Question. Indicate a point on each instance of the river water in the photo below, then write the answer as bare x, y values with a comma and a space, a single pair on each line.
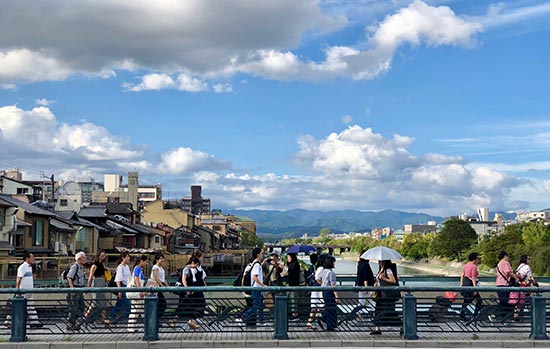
349, 267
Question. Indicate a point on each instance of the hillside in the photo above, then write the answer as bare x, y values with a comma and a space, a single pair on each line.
294, 223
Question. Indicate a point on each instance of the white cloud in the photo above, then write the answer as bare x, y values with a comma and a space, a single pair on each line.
186, 161
19, 128
191, 43
347, 119
222, 88
43, 102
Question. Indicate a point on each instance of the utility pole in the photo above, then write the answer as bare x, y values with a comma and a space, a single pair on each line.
52, 181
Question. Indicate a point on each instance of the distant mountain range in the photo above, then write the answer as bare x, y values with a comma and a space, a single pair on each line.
272, 224
294, 223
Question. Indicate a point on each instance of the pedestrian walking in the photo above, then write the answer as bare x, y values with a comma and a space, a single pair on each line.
384, 313
137, 304
97, 278
25, 280
469, 277
158, 279
122, 275
256, 280
77, 304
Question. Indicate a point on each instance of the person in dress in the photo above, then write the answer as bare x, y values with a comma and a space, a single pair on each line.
122, 275
384, 313
137, 304
97, 279
293, 280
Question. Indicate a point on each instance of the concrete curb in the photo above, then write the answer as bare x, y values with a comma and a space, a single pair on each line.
266, 344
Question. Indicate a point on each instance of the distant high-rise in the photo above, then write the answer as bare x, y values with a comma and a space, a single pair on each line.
196, 204
483, 214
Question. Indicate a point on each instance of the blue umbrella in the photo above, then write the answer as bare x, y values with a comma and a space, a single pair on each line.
307, 249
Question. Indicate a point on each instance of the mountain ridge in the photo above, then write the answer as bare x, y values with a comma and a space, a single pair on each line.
296, 222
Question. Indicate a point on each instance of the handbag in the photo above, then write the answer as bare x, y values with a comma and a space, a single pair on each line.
107, 275
132, 283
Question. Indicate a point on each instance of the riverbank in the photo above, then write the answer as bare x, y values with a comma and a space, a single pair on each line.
428, 266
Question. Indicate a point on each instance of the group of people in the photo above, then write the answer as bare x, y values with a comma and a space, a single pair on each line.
506, 276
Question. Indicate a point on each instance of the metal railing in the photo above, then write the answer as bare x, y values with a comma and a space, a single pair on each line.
285, 311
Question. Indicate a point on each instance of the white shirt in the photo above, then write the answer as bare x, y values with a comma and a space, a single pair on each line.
25, 273
161, 274
122, 274
256, 270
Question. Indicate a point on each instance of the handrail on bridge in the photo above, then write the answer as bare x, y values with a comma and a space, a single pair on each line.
409, 305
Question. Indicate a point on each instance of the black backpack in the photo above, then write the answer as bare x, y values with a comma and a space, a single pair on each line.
244, 277
64, 274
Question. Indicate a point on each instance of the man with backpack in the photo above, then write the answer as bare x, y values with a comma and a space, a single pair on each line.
77, 305
256, 281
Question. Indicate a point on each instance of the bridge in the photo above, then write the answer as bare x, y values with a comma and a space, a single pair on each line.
330, 248
285, 320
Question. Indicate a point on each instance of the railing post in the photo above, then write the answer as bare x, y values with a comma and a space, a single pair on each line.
538, 317
18, 319
409, 317
151, 319
281, 317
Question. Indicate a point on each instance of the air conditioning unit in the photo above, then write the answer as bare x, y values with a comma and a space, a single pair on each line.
56, 246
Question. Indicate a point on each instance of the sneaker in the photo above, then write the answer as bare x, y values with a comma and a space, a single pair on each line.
239, 320
172, 323
265, 324
193, 325
37, 325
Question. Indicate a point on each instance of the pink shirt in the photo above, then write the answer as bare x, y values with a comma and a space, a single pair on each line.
470, 270
505, 268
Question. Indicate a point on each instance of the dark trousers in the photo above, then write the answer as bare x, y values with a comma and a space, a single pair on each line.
257, 309
330, 315
470, 297
77, 306
122, 304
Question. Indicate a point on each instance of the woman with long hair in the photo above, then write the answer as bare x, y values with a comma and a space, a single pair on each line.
293, 280
384, 313
158, 279
192, 304
97, 279
122, 275
137, 304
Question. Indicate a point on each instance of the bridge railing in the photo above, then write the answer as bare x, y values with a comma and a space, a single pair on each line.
286, 312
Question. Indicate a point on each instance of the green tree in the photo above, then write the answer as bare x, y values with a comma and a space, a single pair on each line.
536, 234
415, 246
455, 237
249, 239
510, 240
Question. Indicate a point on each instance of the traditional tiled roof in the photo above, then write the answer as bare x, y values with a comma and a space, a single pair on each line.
61, 226
93, 212
25, 206
5, 203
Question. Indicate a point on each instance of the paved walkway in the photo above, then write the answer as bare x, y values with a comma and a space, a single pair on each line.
265, 340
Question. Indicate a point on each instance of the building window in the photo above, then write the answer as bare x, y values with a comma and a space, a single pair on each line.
2, 217
157, 239
63, 202
37, 233
216, 228
22, 190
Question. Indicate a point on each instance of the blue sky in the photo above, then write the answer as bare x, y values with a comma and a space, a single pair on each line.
424, 106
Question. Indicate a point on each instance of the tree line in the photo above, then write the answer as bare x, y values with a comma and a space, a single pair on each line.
455, 240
